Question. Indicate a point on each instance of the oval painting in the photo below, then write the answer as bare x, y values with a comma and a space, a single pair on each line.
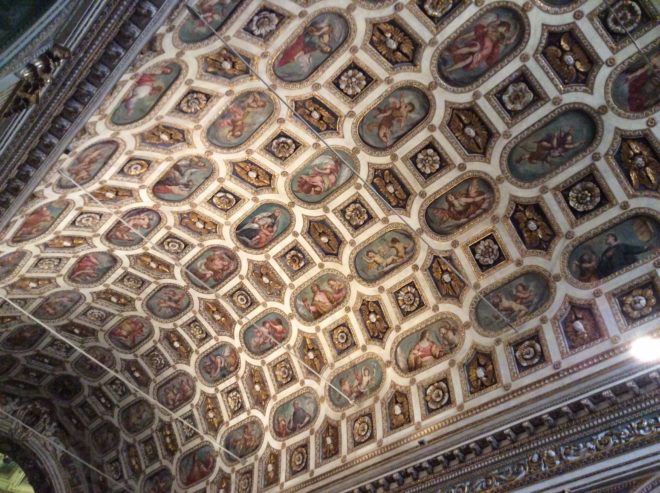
169, 302
356, 382
134, 227
197, 465
92, 268
322, 176
137, 417
263, 226
385, 254
215, 12
130, 333
58, 304
105, 438
635, 89
183, 179
239, 121
87, 164
394, 117
463, 203
88, 368
307, 51
265, 333
295, 415
177, 391
211, 268
517, 300
321, 297
628, 242
145, 93
243, 440
23, 338
10, 262
40, 220
158, 482
428, 345
539, 153
480, 47
218, 364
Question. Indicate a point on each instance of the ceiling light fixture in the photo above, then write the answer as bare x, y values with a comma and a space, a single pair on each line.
646, 348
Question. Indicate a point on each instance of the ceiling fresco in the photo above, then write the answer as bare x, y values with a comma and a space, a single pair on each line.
486, 213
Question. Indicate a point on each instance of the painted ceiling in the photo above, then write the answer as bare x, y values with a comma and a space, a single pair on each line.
485, 214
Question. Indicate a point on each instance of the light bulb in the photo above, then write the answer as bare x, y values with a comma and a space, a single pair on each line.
646, 348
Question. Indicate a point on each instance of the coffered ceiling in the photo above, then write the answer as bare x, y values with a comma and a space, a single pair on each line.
467, 204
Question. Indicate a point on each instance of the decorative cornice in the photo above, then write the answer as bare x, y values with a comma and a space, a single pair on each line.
614, 420
101, 55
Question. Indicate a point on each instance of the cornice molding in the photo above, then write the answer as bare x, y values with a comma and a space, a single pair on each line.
105, 51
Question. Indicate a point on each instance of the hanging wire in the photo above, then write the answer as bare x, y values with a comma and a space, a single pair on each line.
62, 449
216, 295
124, 380
355, 172
630, 36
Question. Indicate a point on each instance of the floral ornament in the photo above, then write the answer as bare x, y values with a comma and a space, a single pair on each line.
298, 461
362, 429
295, 259
193, 102
224, 200
584, 196
529, 354
480, 372
48, 264
317, 114
88, 220
96, 315
200, 226
132, 282
641, 164
352, 82
470, 130
639, 303
342, 338
263, 24
174, 245
225, 64
245, 482
374, 319
437, 8
624, 17
283, 372
265, 278
136, 167
356, 214
437, 395
486, 252
393, 43
252, 174
324, 237
445, 279
408, 299
391, 188
533, 227
517, 97
156, 360
234, 401
165, 136
568, 59
427, 161
242, 299
283, 147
